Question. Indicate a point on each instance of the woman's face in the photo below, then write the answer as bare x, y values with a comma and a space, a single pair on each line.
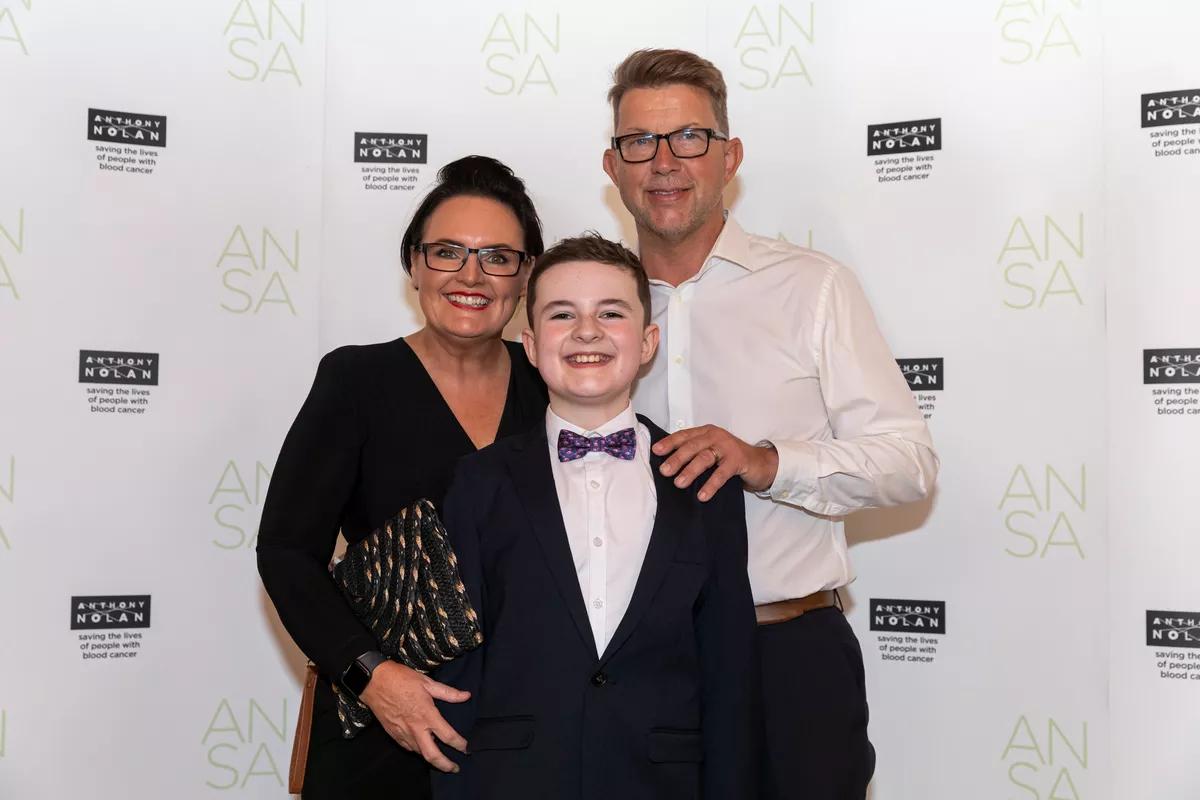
470, 304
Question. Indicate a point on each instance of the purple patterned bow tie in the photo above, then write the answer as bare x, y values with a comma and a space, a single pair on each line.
621, 444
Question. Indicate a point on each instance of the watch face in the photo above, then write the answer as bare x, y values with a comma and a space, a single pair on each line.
356, 678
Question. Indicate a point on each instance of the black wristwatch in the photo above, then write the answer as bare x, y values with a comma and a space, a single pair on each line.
358, 674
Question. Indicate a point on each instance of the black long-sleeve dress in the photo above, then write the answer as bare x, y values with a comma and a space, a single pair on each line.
374, 435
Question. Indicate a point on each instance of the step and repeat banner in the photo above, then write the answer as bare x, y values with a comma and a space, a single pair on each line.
197, 201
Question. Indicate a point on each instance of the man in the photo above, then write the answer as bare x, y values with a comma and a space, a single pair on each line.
618, 629
776, 347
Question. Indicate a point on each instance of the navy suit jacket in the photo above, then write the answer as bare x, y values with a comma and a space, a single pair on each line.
670, 710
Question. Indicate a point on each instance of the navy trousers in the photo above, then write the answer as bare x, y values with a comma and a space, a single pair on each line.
815, 708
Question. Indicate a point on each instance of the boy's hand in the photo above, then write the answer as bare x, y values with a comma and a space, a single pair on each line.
694, 450
402, 700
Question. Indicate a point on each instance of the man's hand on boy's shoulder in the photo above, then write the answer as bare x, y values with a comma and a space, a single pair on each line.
693, 451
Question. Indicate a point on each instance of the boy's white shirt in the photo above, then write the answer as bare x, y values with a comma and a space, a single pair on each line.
608, 507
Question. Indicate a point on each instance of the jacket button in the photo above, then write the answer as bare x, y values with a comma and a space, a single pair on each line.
599, 679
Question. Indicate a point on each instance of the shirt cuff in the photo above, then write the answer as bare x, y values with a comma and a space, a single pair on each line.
797, 479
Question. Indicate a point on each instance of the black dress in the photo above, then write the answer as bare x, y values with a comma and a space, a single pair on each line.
374, 435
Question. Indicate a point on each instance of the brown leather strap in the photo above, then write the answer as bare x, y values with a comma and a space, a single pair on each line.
782, 611
303, 732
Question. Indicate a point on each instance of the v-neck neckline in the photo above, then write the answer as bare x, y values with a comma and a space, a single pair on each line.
504, 412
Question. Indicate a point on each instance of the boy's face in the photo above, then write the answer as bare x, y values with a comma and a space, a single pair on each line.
588, 339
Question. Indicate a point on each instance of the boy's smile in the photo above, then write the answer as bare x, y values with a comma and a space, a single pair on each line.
589, 339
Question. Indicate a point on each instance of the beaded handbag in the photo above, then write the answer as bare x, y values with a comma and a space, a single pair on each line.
402, 582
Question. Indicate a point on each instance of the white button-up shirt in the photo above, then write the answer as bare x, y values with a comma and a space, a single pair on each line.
608, 507
777, 343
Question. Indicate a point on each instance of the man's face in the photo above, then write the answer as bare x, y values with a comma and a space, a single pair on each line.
589, 339
671, 197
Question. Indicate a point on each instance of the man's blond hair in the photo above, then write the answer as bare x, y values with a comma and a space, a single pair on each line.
651, 69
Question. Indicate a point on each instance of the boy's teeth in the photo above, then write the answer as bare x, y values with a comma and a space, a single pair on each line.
587, 359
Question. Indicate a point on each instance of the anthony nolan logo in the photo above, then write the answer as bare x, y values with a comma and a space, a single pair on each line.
923, 374
1170, 108
111, 366
1180, 365
917, 616
110, 611
1172, 629
124, 127
390, 148
913, 136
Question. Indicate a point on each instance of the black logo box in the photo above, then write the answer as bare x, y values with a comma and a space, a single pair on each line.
103, 612
923, 374
1170, 108
1180, 365
391, 148
928, 136
1173, 628
115, 366
126, 127
899, 620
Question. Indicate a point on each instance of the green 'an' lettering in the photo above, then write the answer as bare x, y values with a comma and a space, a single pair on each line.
9, 493
1020, 240
238, 247
502, 34
10, 31
756, 27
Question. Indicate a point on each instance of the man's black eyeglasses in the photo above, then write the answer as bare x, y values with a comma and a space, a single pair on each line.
636, 148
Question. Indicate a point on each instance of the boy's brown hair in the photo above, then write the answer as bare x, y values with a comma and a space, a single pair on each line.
590, 247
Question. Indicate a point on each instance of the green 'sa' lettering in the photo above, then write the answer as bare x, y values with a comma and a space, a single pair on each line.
263, 753
6, 280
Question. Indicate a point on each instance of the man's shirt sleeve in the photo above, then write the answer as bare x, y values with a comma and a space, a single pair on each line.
881, 453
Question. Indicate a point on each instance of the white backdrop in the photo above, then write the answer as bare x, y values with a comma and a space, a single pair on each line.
1037, 621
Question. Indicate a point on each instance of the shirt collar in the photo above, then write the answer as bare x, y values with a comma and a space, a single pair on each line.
732, 246
555, 423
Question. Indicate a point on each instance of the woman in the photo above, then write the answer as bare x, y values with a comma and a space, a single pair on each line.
383, 426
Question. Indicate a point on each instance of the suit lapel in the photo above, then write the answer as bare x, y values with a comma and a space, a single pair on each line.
674, 512
530, 471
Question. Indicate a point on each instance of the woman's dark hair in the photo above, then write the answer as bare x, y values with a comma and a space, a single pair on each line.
476, 176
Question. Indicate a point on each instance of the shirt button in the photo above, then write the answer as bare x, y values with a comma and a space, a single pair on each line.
597, 604
678, 424
678, 359
594, 484
598, 542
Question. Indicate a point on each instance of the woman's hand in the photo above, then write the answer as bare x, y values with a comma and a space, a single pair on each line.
402, 700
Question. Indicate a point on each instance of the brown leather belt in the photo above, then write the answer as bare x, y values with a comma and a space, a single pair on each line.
783, 610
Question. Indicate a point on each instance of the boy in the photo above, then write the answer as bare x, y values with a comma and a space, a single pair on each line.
618, 657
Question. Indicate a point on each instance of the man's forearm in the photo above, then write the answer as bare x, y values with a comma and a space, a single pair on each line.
839, 476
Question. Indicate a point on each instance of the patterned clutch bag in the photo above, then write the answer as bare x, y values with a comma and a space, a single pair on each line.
402, 582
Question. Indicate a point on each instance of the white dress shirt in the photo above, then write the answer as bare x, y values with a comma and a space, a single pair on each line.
608, 507
777, 343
